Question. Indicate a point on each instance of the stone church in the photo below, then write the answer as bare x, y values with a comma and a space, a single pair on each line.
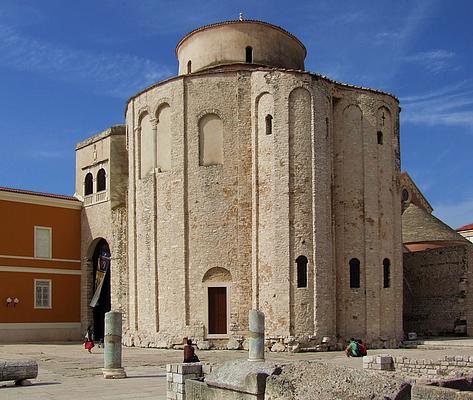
246, 182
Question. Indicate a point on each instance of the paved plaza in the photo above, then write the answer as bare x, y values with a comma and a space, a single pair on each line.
67, 371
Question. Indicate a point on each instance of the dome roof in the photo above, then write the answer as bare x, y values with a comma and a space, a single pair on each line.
240, 41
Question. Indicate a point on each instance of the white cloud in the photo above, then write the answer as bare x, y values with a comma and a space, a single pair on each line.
433, 61
451, 105
117, 75
49, 154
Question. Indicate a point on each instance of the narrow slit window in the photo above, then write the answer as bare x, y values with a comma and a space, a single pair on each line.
386, 273
301, 271
269, 124
189, 66
249, 54
380, 137
354, 273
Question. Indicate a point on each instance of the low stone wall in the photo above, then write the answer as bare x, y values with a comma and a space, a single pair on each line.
176, 377
197, 390
449, 365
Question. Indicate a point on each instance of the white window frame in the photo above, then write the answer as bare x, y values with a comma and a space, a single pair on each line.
50, 302
36, 228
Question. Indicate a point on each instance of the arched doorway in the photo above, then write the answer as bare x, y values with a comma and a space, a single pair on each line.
217, 282
101, 302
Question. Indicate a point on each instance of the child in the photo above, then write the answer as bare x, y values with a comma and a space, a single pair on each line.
89, 342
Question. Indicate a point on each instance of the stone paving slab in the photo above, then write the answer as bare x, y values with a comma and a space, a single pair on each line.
67, 371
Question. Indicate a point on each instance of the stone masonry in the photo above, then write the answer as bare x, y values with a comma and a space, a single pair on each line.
251, 183
448, 365
437, 296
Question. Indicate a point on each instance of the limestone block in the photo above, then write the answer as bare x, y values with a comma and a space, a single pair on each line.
278, 347
233, 344
189, 368
206, 368
203, 345
384, 359
296, 348
242, 376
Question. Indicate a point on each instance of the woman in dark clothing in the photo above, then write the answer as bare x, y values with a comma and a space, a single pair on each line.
189, 352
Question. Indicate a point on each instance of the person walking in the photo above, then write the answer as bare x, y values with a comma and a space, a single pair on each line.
89, 339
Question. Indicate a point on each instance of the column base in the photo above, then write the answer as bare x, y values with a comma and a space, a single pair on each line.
114, 373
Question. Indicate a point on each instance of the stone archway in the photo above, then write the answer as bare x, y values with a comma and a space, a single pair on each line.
100, 299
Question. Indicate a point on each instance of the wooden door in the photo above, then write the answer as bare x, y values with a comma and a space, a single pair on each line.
217, 310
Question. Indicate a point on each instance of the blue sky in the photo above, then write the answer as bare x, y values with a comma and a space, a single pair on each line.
67, 68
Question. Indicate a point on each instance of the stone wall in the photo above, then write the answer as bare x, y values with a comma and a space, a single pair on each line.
449, 365
178, 374
269, 202
437, 293
104, 215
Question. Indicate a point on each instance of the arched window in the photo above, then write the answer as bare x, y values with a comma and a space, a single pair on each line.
210, 140
249, 54
354, 273
189, 66
301, 271
386, 273
380, 137
101, 180
163, 138
146, 145
269, 124
405, 195
88, 184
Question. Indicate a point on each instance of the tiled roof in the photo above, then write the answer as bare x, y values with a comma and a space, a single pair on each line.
419, 226
218, 69
30, 192
465, 228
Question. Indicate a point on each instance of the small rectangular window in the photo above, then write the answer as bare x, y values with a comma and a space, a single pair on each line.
42, 242
380, 137
354, 273
269, 124
42, 293
249, 54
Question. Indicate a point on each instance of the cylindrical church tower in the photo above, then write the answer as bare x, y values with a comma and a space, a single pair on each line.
256, 184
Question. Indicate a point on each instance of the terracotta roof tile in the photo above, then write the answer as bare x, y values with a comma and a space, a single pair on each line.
30, 192
465, 228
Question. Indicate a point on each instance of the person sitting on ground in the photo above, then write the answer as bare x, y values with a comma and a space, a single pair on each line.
353, 349
362, 347
189, 352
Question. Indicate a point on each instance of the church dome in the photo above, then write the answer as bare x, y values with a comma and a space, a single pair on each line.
242, 41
